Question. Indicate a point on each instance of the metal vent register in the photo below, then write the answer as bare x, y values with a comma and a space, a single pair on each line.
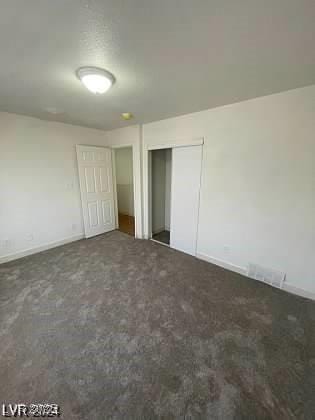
267, 275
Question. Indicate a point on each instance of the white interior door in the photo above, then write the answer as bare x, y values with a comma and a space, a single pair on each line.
186, 171
97, 192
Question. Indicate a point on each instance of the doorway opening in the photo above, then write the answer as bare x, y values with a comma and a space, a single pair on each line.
125, 190
161, 172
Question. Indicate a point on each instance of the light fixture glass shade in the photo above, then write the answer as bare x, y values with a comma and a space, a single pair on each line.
95, 80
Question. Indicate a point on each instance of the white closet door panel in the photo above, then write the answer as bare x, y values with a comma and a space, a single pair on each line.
186, 172
97, 192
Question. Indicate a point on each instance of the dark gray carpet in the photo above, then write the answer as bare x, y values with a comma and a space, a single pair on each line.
114, 327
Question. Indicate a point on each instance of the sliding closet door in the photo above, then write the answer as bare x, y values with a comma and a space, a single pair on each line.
186, 171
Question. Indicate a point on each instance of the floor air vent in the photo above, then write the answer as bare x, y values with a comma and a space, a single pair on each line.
267, 275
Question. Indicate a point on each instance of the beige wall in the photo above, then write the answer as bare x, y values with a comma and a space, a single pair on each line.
257, 199
158, 190
39, 190
124, 180
161, 189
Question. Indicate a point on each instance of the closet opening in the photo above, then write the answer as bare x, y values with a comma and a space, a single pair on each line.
174, 178
161, 172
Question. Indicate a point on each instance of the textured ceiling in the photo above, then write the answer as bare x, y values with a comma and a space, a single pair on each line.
169, 57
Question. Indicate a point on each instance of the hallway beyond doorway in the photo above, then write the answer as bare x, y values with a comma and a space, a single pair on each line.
126, 224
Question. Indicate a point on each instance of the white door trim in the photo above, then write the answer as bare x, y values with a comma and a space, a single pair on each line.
115, 188
146, 174
172, 145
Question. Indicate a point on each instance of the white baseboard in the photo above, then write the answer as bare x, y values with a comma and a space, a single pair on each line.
223, 264
297, 291
158, 242
242, 270
157, 231
126, 214
35, 250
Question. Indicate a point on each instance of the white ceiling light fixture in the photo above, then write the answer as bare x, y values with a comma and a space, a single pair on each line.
95, 80
126, 116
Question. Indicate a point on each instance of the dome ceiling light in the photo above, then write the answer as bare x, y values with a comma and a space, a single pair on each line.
126, 116
95, 80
